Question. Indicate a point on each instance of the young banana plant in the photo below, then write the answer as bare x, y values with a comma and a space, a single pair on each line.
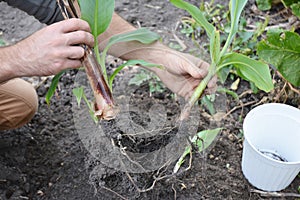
98, 13
249, 69
104, 102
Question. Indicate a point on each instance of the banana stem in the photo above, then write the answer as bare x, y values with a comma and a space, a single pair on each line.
197, 93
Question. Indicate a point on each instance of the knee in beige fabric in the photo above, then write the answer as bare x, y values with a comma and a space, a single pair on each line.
18, 103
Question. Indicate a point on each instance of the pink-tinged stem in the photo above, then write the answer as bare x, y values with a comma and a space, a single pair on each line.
104, 103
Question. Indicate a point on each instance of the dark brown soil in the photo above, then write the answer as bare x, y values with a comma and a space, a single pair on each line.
49, 158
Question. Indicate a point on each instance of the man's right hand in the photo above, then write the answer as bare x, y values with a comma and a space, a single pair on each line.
48, 51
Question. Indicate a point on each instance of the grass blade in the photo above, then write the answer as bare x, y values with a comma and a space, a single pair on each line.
78, 92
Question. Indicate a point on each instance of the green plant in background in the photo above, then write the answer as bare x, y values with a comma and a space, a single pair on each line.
144, 76
190, 28
281, 47
2, 42
282, 50
265, 4
294, 5
212, 12
133, 63
246, 41
223, 57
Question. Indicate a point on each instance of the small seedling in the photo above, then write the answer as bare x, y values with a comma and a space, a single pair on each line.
79, 94
202, 141
208, 102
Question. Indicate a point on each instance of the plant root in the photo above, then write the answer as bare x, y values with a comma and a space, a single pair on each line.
114, 192
242, 105
274, 194
283, 91
158, 176
175, 192
153, 183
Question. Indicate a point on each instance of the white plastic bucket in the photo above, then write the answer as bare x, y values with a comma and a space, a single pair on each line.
275, 130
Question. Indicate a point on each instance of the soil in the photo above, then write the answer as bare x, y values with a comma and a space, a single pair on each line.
51, 158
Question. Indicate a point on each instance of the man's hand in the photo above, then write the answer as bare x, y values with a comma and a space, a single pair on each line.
183, 73
48, 51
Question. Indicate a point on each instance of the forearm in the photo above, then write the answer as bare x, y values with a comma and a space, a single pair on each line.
131, 50
9, 63
118, 25
182, 73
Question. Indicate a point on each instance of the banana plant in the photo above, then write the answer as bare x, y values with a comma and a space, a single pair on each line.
221, 58
98, 14
250, 69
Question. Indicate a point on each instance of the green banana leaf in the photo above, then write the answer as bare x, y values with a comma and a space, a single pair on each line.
98, 13
142, 35
253, 70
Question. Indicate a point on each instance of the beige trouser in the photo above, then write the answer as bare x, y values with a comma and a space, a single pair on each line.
18, 103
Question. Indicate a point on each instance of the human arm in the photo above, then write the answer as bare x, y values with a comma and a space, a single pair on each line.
46, 52
182, 73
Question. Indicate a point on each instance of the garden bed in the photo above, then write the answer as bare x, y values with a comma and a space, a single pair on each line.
48, 159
